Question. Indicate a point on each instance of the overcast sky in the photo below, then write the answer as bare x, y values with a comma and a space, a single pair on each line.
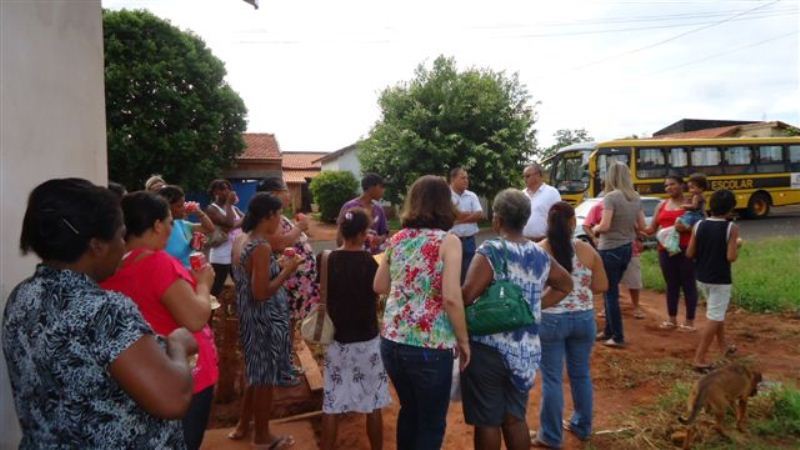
311, 71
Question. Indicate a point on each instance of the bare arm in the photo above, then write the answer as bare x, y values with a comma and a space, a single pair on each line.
225, 218
383, 281
264, 287
651, 230
559, 284
160, 383
450, 252
190, 309
605, 221
733, 243
599, 278
691, 250
280, 240
479, 277
206, 225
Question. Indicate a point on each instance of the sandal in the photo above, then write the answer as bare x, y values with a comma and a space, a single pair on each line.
601, 337
614, 344
638, 314
568, 426
536, 442
686, 328
703, 369
237, 435
279, 443
730, 351
667, 325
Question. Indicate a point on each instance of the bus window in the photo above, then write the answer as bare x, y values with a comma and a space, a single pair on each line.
794, 158
678, 158
738, 160
571, 175
770, 159
707, 160
650, 163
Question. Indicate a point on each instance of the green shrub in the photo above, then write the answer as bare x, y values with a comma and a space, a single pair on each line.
331, 189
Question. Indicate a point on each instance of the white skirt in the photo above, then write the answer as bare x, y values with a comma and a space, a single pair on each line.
355, 380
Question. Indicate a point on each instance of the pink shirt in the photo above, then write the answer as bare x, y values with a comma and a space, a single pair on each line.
145, 281
596, 215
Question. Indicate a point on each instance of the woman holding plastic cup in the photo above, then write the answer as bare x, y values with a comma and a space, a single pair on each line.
168, 296
180, 241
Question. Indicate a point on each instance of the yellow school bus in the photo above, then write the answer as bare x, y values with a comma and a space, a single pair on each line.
568, 171
761, 172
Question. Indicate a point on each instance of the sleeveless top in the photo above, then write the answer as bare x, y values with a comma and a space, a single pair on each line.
711, 256
580, 299
415, 312
221, 254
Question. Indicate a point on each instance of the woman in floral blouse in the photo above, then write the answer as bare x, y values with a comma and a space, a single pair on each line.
86, 369
495, 386
568, 331
424, 318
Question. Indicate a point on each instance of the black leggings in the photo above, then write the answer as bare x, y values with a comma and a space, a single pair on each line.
196, 419
221, 272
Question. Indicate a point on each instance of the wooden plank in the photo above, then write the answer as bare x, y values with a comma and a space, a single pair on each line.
310, 367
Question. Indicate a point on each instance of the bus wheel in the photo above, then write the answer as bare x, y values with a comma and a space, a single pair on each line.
758, 206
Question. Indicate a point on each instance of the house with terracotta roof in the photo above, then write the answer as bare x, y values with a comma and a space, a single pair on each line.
711, 129
298, 170
261, 158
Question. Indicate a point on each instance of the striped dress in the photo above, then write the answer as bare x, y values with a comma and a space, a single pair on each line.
263, 325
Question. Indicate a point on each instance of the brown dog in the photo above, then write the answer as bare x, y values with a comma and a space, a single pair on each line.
728, 386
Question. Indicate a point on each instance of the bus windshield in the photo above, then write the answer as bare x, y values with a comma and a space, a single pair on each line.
571, 174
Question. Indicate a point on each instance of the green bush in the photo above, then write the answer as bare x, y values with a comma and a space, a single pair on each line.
331, 189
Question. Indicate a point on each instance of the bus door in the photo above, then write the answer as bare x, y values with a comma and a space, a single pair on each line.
603, 158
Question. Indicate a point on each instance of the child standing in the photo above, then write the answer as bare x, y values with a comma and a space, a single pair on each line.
355, 379
696, 207
714, 246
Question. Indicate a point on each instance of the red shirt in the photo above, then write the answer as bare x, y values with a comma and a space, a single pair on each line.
145, 281
596, 215
667, 218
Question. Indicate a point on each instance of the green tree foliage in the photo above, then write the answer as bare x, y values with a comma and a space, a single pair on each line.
477, 119
564, 137
331, 189
168, 107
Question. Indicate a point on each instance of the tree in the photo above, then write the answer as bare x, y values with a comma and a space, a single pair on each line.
331, 189
477, 119
168, 107
564, 137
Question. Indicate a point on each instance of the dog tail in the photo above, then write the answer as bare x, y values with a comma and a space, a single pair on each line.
697, 405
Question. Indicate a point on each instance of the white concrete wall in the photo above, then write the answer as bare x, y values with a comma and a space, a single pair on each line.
52, 124
347, 161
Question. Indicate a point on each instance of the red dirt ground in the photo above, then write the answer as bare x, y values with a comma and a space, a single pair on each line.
623, 378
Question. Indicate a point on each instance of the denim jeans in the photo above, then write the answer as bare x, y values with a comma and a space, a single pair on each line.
467, 253
422, 378
570, 337
615, 261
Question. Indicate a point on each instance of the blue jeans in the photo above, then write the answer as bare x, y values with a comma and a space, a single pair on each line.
615, 261
467, 253
422, 378
567, 336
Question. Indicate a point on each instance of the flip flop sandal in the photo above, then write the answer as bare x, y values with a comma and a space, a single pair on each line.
667, 325
601, 337
686, 328
237, 435
536, 442
638, 314
730, 351
614, 344
278, 444
568, 426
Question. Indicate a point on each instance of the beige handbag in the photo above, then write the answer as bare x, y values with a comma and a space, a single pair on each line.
317, 327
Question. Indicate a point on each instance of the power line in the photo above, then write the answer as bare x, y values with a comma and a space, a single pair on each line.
677, 36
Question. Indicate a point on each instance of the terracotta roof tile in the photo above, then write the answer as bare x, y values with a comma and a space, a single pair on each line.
718, 132
260, 146
302, 160
298, 176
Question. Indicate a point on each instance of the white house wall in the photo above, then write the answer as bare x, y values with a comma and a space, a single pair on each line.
347, 161
52, 124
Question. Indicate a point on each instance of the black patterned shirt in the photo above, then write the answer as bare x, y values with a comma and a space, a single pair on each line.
61, 332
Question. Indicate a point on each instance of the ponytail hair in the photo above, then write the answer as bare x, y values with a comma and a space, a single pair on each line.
559, 234
354, 222
262, 206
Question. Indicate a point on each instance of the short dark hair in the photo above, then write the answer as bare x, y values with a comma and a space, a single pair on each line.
354, 222
219, 183
369, 180
63, 215
261, 206
141, 210
428, 204
172, 193
699, 179
674, 177
117, 188
722, 202
271, 184
454, 172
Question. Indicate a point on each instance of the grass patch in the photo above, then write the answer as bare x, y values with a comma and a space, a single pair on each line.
766, 276
774, 422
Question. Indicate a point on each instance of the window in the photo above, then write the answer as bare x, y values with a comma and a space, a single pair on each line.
678, 161
738, 160
571, 175
650, 163
707, 160
770, 159
794, 158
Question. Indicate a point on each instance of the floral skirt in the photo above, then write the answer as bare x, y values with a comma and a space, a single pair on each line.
355, 380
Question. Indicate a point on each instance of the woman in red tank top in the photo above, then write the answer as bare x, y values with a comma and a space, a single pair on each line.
678, 270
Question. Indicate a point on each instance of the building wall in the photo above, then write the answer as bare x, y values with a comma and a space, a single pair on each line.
52, 124
347, 161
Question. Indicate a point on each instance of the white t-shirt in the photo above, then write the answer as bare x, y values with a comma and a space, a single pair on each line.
222, 253
466, 202
541, 201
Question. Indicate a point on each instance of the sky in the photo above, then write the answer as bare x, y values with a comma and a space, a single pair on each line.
311, 71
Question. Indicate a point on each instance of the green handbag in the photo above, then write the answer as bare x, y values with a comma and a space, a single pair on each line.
502, 307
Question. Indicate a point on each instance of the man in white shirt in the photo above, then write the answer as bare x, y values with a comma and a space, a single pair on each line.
542, 196
469, 213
